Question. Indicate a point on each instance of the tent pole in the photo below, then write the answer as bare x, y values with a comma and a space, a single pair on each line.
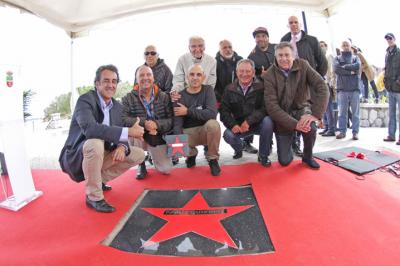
303, 14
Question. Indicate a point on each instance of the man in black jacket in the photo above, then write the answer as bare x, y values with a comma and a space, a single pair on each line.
305, 47
97, 148
227, 60
153, 107
242, 112
392, 84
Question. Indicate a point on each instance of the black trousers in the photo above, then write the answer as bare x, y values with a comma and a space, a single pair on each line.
284, 141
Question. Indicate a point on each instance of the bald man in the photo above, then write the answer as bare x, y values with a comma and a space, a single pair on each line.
195, 115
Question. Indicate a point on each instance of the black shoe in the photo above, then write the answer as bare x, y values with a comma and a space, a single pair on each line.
214, 167
323, 132
99, 206
311, 163
237, 155
328, 134
141, 171
296, 149
105, 187
190, 161
249, 148
264, 161
175, 161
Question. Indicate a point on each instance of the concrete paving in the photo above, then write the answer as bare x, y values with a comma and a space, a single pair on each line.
44, 145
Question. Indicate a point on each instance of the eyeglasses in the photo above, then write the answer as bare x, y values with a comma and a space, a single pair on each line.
152, 53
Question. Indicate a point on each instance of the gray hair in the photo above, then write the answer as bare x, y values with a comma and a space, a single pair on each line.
282, 45
140, 68
245, 60
196, 38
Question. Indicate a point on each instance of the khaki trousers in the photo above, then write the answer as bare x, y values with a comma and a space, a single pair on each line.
209, 134
98, 166
158, 154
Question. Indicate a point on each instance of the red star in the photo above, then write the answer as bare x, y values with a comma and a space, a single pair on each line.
177, 146
197, 217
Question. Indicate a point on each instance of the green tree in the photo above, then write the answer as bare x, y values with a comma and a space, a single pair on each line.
122, 89
59, 105
27, 98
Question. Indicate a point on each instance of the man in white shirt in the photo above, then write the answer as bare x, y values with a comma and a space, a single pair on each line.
195, 56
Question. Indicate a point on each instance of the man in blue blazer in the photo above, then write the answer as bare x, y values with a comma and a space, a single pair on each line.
97, 148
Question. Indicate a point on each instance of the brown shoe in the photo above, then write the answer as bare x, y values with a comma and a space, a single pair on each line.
355, 136
340, 136
389, 138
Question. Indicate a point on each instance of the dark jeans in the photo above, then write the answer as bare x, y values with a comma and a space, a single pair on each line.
265, 129
330, 117
366, 88
285, 153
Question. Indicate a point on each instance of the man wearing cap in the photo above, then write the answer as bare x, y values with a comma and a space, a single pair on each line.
392, 84
347, 67
263, 54
195, 56
305, 47
162, 73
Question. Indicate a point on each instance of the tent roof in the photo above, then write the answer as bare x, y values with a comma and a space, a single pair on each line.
75, 16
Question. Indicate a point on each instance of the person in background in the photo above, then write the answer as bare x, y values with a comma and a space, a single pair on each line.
347, 68
227, 60
196, 55
161, 72
330, 79
263, 54
367, 76
392, 85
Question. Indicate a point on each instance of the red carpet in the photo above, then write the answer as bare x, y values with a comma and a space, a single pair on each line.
325, 217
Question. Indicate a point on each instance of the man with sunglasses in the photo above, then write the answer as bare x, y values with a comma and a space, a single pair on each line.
161, 72
392, 84
195, 56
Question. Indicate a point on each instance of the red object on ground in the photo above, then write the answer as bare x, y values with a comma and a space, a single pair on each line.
324, 217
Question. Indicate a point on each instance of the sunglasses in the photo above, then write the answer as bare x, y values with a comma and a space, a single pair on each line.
152, 53
389, 38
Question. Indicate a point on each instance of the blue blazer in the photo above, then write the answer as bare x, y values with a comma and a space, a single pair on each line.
86, 124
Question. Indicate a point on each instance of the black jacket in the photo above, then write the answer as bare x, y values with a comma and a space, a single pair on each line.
262, 59
392, 70
308, 49
226, 73
86, 124
236, 107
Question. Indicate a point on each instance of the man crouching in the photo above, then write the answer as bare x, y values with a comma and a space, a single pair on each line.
195, 114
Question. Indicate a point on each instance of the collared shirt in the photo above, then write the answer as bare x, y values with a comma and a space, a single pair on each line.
244, 88
106, 108
148, 105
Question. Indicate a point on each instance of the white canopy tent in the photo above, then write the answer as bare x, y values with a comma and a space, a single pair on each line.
77, 16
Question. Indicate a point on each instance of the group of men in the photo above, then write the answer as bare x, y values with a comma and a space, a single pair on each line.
279, 89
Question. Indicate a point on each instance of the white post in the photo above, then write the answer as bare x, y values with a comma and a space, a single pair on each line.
12, 140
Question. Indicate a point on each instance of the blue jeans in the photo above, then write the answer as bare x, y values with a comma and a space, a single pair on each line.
330, 118
394, 99
265, 129
346, 98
